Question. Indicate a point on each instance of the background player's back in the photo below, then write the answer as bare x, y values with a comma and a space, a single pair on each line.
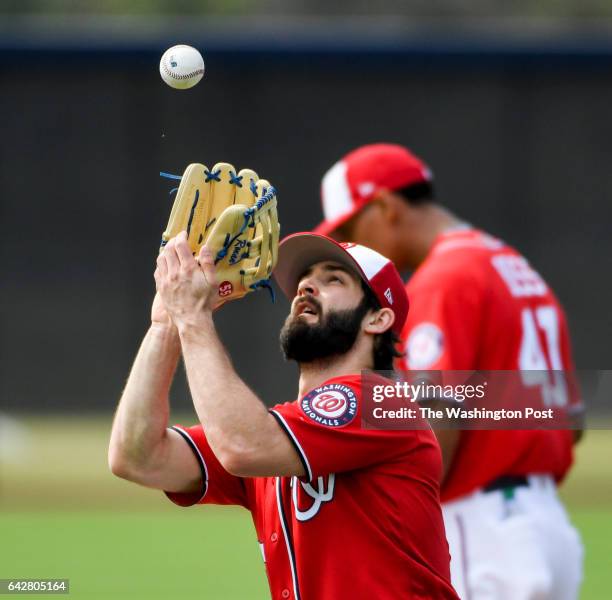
494, 310
477, 304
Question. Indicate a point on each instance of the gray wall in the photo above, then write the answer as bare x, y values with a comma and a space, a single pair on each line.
522, 150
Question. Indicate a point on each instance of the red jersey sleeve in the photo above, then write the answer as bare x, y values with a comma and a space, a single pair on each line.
443, 326
325, 429
218, 486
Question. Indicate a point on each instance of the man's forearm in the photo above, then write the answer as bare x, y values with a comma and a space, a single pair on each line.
233, 417
142, 416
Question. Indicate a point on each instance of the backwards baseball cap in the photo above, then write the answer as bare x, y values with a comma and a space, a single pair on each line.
353, 181
299, 251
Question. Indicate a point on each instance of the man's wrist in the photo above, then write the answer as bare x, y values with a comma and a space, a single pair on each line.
164, 330
195, 326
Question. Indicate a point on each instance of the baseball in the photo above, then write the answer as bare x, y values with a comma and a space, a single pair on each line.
181, 67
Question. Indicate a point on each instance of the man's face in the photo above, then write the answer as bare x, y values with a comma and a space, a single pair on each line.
326, 314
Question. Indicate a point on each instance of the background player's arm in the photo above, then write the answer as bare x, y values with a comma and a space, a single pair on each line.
448, 436
142, 449
448, 440
442, 333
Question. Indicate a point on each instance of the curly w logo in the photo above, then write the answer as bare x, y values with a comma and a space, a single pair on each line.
314, 497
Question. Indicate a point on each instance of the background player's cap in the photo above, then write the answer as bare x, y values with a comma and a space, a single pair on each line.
299, 251
352, 182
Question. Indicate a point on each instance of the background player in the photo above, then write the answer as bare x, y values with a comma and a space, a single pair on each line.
328, 499
475, 304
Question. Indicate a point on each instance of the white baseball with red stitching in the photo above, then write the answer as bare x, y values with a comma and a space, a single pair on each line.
181, 67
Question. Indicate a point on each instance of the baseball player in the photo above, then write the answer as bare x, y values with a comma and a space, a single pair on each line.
329, 500
476, 304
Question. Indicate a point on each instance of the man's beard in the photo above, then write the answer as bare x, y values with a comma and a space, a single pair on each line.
334, 334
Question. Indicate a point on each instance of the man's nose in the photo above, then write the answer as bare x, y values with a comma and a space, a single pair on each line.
307, 286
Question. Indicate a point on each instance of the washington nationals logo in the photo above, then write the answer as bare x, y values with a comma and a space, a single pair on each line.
310, 498
331, 405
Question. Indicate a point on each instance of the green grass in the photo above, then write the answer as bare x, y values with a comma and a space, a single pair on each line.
596, 530
62, 515
209, 554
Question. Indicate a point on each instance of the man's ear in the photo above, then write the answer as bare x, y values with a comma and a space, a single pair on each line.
390, 205
379, 321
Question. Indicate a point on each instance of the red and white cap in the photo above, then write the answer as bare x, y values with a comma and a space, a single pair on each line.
353, 181
299, 251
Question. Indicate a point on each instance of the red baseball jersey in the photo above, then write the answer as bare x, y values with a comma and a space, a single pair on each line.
366, 520
476, 303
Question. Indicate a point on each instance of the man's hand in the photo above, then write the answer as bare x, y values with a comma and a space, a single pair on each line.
187, 286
